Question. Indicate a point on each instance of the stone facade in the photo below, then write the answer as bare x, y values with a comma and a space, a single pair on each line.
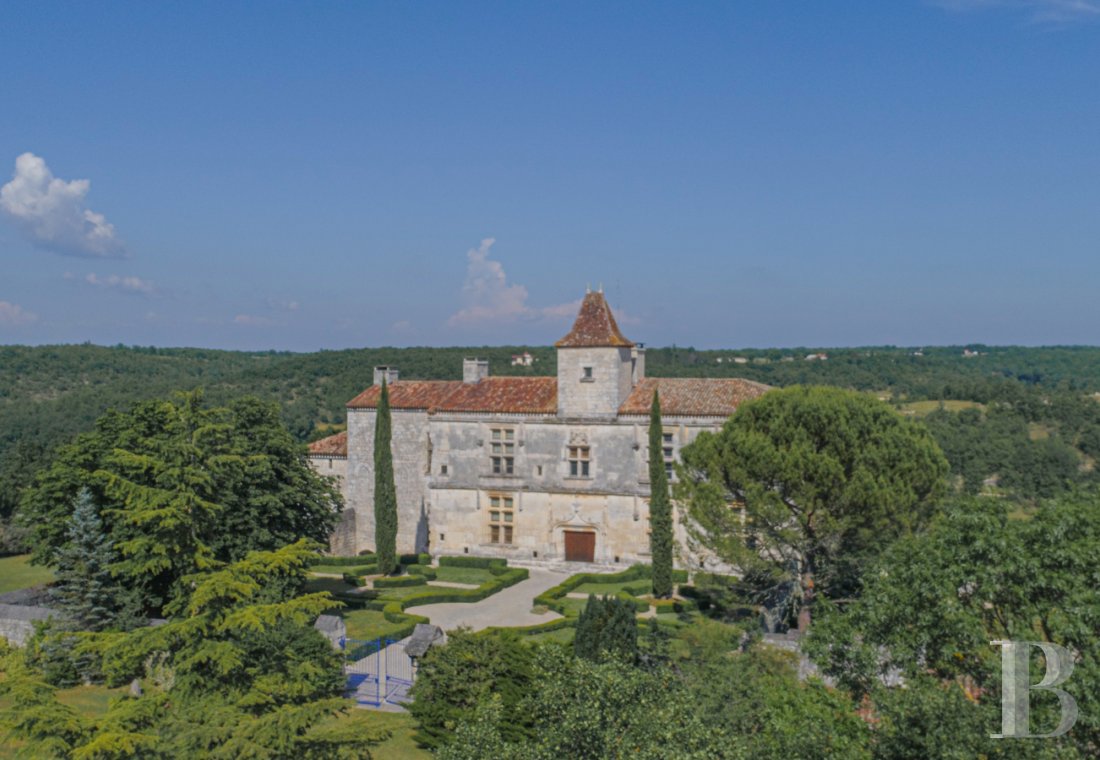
520, 467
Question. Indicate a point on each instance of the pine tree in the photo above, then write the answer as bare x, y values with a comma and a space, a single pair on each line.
660, 508
385, 494
85, 591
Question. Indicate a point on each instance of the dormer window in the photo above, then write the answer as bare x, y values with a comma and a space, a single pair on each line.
586, 375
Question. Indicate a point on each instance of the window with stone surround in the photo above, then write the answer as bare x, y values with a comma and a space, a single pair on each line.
501, 518
668, 453
579, 461
502, 451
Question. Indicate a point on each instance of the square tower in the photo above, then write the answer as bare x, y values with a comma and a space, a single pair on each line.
597, 365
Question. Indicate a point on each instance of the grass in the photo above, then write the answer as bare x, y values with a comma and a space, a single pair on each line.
401, 745
562, 635
16, 573
369, 624
89, 701
472, 575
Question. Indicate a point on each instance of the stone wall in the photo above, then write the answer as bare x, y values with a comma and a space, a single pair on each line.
17, 621
444, 479
598, 396
410, 444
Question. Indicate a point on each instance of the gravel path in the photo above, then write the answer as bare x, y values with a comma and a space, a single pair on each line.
508, 608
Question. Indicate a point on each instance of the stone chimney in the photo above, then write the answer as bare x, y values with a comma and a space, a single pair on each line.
637, 363
387, 372
474, 370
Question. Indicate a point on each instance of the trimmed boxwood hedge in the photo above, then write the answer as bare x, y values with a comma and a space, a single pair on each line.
553, 597
353, 580
400, 581
534, 630
342, 561
394, 609
483, 563
424, 570
670, 606
415, 559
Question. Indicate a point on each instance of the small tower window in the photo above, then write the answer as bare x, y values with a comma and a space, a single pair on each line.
578, 462
586, 375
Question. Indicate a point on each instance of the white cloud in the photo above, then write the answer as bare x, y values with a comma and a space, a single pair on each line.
487, 296
52, 212
1051, 11
251, 320
13, 315
133, 285
283, 305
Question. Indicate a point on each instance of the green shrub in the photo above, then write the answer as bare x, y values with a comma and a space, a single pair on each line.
424, 570
353, 580
400, 581
340, 561
552, 597
415, 559
670, 606
485, 563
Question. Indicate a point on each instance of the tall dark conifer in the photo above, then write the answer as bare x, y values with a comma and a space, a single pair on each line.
660, 507
385, 494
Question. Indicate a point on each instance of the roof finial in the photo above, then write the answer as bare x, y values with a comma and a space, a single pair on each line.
601, 288
587, 288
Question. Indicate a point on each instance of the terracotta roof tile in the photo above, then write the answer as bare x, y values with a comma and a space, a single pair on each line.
595, 326
333, 446
517, 395
692, 397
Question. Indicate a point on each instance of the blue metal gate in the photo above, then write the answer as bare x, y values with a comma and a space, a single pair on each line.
378, 671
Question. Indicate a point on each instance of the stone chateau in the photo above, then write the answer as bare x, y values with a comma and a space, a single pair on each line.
527, 468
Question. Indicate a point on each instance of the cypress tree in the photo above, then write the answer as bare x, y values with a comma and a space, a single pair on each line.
385, 494
607, 627
660, 507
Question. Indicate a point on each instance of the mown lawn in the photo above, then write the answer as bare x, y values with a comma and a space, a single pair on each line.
17, 573
400, 746
472, 575
563, 635
369, 624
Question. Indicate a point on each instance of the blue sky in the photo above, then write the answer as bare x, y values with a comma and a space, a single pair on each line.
328, 175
